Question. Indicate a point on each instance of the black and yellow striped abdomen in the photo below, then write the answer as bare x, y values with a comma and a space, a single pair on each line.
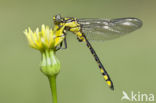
102, 69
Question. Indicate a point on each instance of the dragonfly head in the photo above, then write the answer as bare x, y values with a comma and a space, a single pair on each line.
70, 23
58, 19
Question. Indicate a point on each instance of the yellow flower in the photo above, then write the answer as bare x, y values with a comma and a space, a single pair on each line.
41, 40
46, 40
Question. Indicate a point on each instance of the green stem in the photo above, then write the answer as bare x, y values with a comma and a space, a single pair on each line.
52, 81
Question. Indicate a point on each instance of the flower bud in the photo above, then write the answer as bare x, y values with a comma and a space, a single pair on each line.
50, 65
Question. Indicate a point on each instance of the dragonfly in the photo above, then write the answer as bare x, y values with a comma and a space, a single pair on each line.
94, 29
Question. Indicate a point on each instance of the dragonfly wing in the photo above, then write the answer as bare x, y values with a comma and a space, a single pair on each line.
103, 29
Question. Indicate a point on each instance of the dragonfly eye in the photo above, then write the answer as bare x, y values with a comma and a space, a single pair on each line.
57, 19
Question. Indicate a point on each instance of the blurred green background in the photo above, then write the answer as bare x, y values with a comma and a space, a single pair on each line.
130, 60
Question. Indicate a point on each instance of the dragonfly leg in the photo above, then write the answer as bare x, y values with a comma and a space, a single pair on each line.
59, 47
80, 40
65, 43
61, 44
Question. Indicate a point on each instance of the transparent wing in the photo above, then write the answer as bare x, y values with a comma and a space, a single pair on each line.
103, 29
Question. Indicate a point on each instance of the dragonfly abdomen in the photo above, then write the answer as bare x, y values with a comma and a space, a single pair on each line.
102, 69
